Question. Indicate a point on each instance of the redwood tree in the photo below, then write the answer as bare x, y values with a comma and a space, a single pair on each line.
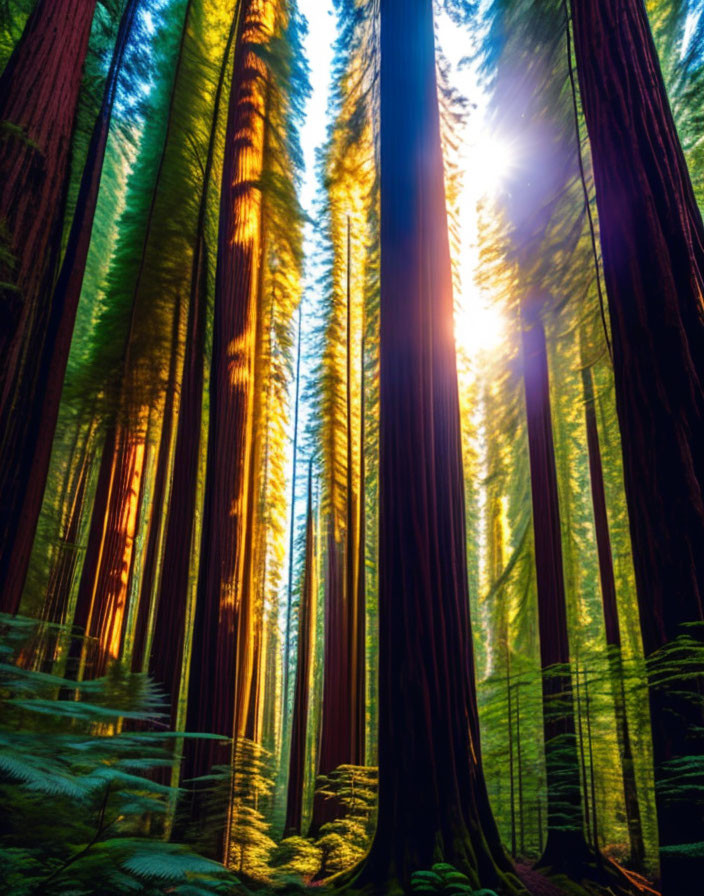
611, 623
299, 720
31, 432
566, 848
222, 644
433, 803
39, 92
652, 241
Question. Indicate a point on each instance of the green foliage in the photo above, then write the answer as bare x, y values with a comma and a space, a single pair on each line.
345, 840
445, 880
250, 842
296, 857
79, 783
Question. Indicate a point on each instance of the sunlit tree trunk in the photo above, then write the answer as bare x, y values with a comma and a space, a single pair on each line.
299, 719
433, 803
565, 848
652, 241
292, 529
223, 618
39, 92
611, 623
165, 643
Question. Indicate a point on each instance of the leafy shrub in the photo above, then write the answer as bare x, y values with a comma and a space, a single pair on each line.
81, 814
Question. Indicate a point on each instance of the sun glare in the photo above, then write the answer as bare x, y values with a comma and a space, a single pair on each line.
479, 326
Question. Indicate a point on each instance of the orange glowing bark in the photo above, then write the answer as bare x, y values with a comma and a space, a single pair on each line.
222, 630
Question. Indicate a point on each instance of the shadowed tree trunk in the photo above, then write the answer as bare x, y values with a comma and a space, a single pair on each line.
565, 849
652, 241
299, 721
39, 92
433, 803
611, 623
334, 738
31, 433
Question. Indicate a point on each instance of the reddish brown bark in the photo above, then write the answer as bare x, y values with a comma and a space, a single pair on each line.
611, 623
652, 240
433, 803
222, 615
39, 91
299, 720
334, 738
166, 653
27, 450
566, 848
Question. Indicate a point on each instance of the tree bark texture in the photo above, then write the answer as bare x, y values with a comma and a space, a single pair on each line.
433, 803
221, 611
652, 241
26, 449
39, 92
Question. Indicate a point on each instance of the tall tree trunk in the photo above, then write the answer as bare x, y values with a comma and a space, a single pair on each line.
39, 92
611, 623
165, 646
565, 848
359, 681
652, 240
26, 451
334, 738
299, 720
433, 803
221, 610
289, 596
355, 613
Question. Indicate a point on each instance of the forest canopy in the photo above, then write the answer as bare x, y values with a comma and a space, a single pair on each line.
352, 447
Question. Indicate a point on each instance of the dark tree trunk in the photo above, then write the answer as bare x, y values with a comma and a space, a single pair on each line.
334, 741
565, 848
359, 646
299, 720
39, 92
611, 624
221, 609
433, 803
652, 241
27, 449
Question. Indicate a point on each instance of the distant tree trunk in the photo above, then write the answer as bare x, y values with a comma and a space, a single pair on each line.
39, 91
287, 649
652, 240
566, 848
611, 623
159, 503
355, 612
359, 681
221, 611
334, 740
165, 647
299, 720
433, 803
